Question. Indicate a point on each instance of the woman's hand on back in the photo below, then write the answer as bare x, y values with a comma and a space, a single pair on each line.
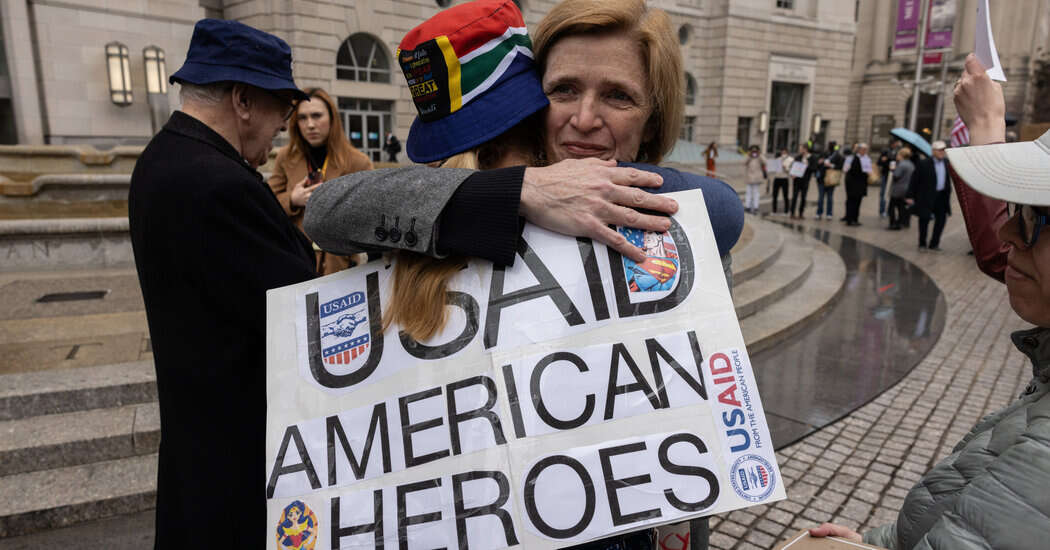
582, 197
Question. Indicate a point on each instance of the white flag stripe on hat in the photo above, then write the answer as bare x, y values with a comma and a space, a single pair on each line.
504, 64
488, 46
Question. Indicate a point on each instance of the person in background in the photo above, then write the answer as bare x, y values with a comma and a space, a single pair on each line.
710, 154
886, 158
828, 179
209, 240
800, 185
902, 172
392, 147
755, 172
932, 198
780, 180
317, 151
856, 169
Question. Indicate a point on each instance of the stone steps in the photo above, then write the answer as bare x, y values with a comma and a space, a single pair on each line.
78, 445
61, 440
816, 294
49, 499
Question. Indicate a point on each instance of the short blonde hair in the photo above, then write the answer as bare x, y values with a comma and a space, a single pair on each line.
904, 153
656, 44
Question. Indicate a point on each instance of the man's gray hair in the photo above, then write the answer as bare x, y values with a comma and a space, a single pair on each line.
210, 94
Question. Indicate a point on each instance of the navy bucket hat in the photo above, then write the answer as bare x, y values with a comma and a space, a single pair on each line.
471, 73
222, 50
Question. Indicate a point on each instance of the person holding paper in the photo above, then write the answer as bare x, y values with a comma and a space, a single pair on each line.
780, 168
801, 171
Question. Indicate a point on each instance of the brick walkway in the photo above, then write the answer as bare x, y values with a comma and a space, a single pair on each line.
857, 471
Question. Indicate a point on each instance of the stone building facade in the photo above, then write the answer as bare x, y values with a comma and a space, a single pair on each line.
788, 59
880, 82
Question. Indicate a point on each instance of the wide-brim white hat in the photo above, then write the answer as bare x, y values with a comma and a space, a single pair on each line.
1013, 172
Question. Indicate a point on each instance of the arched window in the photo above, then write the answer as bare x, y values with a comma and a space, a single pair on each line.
690, 89
362, 58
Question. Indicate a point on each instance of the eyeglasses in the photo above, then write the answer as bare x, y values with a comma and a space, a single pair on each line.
1030, 221
284, 101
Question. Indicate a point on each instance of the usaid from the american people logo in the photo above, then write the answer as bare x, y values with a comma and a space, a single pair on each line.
752, 478
344, 329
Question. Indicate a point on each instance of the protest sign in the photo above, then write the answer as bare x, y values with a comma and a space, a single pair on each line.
798, 169
573, 395
774, 165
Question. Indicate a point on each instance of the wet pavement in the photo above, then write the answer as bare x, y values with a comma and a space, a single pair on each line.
888, 317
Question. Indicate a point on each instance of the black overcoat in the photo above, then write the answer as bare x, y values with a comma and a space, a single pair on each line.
923, 189
209, 239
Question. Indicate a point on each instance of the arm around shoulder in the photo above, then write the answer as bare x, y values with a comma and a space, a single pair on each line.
375, 210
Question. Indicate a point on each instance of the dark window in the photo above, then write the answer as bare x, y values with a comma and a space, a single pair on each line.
786, 4
743, 132
690, 89
362, 58
687, 128
443, 3
684, 33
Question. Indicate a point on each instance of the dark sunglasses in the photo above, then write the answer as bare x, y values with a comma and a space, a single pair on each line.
1030, 221
283, 100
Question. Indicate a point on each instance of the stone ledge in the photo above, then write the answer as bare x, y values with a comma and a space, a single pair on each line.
793, 263
759, 253
56, 498
60, 391
61, 440
62, 226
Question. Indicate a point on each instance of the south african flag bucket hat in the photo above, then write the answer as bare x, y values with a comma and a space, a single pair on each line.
472, 76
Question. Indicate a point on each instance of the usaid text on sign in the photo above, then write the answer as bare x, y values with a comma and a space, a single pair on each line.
573, 395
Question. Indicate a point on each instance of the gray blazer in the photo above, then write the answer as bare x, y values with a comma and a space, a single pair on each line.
359, 212
349, 214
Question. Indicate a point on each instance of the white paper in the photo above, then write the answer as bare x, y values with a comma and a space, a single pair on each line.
985, 44
798, 169
774, 165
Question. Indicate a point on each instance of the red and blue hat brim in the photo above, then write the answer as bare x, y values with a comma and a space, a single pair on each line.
512, 99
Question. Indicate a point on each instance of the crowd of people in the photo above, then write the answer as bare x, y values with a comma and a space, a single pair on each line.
598, 104
911, 183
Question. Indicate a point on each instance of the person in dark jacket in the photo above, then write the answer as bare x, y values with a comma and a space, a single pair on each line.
856, 169
210, 239
886, 158
931, 192
392, 147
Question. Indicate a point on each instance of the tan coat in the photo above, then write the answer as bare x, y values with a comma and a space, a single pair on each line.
286, 174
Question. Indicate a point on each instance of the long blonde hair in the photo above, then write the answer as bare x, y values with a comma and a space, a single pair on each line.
418, 300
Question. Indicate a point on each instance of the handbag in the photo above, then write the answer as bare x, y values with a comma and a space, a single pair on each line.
833, 177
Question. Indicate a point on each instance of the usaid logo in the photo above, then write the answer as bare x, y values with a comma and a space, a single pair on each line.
752, 478
344, 330
344, 335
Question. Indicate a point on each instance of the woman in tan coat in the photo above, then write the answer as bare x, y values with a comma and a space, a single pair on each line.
317, 151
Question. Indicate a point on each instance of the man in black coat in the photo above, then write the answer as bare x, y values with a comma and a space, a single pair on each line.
856, 169
931, 191
210, 239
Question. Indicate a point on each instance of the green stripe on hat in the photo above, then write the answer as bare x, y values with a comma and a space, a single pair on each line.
480, 72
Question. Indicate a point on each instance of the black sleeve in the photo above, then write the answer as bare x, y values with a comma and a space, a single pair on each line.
481, 218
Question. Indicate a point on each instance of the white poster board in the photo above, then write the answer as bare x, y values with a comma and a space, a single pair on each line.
798, 169
571, 396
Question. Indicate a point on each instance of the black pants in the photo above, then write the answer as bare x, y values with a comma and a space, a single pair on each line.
780, 184
939, 219
853, 207
798, 196
898, 212
392, 157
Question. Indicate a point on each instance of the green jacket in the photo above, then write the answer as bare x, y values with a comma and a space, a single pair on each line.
993, 491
